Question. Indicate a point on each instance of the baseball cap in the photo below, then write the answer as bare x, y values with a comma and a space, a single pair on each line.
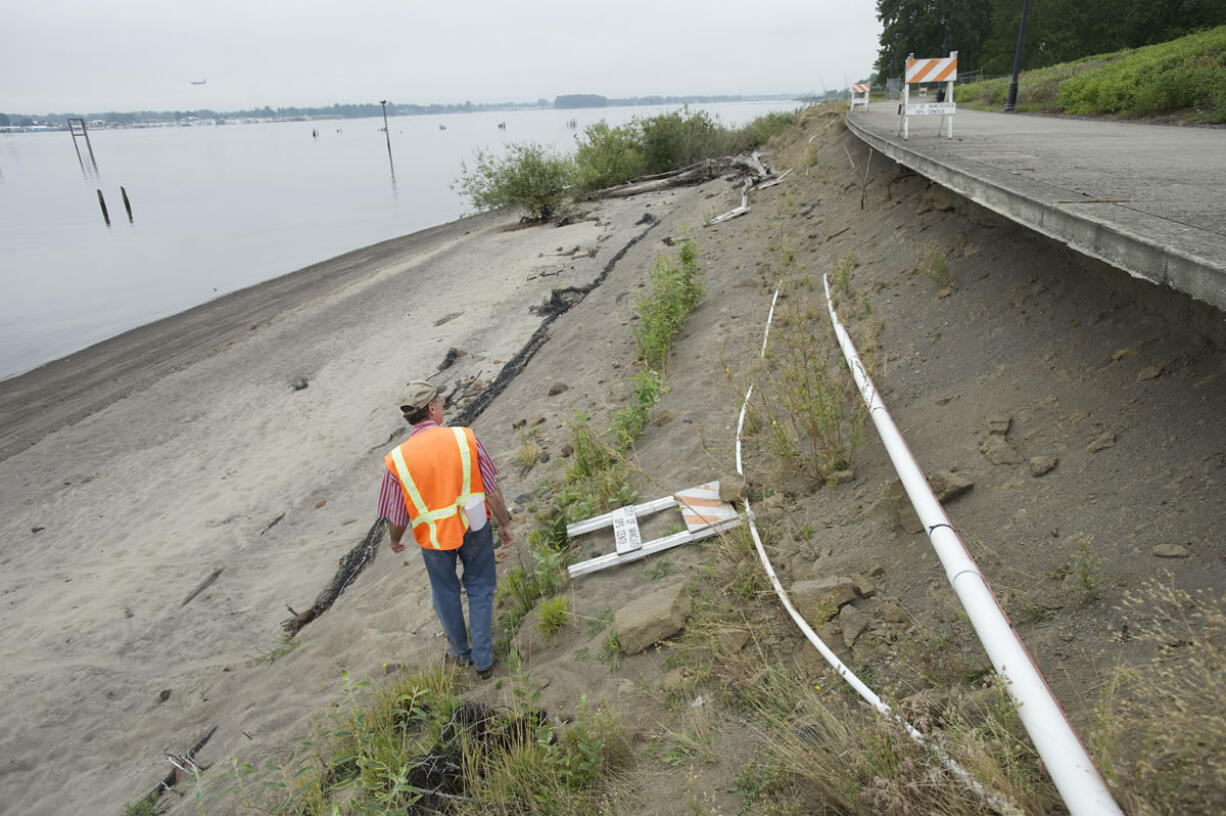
417, 395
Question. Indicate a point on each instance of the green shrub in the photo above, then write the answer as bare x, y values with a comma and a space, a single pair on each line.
609, 155
1186, 76
676, 289
528, 175
760, 130
679, 139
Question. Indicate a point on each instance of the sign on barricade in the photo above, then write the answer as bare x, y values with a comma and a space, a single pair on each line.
859, 94
936, 69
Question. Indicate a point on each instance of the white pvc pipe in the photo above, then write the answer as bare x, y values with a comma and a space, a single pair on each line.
1066, 759
1000, 805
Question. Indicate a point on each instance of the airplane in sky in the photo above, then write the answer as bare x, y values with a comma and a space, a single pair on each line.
201, 82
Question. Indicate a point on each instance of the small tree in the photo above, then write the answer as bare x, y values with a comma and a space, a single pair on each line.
528, 175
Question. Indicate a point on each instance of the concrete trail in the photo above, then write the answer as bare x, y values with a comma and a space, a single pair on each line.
1148, 199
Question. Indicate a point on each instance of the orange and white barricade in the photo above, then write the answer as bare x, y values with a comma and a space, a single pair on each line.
936, 69
859, 94
701, 510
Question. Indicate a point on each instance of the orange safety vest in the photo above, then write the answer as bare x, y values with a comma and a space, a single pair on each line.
438, 475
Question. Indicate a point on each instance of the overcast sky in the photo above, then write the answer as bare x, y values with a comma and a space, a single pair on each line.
88, 56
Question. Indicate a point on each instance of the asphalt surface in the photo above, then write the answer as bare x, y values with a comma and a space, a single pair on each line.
1149, 199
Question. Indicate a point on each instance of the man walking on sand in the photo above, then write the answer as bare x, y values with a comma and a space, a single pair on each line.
441, 481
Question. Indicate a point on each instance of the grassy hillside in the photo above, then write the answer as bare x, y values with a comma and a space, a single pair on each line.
1184, 79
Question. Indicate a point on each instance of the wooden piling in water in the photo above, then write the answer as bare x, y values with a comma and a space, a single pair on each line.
102, 203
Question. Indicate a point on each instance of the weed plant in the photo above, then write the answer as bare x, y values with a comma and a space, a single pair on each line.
418, 747
529, 452
935, 267
676, 289
1160, 723
810, 409
554, 614
628, 424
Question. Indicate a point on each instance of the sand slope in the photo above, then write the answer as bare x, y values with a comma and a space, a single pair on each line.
142, 500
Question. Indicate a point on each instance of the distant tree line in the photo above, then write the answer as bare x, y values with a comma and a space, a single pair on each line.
984, 32
597, 101
352, 111
336, 111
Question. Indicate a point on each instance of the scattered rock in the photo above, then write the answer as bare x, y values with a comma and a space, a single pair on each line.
892, 611
853, 623
828, 594
903, 510
1042, 465
841, 477
1104, 440
567, 450
447, 318
298, 383
944, 293
1078, 417
864, 586
652, 618
998, 451
731, 488
163, 695
999, 424
1169, 550
557, 388
538, 421
1123, 354
664, 417
729, 641
926, 707
37, 529
320, 503
523, 498
876, 571
1151, 372
647, 218
391, 668
948, 485
830, 633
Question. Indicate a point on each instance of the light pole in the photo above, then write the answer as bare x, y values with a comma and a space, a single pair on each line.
1011, 101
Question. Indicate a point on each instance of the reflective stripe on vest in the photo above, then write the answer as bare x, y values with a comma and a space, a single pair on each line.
419, 512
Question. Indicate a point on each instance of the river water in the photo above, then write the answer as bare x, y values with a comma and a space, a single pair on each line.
216, 209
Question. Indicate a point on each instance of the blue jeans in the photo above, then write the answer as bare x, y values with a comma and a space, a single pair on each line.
480, 578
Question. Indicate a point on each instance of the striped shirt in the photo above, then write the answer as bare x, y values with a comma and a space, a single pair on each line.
391, 495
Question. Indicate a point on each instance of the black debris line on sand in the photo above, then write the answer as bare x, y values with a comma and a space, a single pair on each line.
352, 563
364, 552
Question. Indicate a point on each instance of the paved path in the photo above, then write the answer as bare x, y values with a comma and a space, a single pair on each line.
1149, 199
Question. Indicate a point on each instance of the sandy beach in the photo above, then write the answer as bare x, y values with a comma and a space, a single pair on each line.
135, 469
